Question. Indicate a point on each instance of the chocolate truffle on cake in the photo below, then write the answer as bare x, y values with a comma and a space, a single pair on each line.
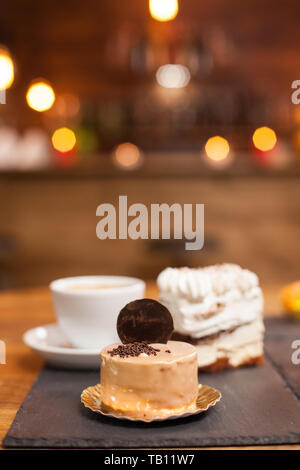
145, 320
148, 375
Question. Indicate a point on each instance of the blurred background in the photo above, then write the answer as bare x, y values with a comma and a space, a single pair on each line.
161, 100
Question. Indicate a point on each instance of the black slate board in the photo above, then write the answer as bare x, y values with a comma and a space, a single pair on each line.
258, 407
279, 352
282, 327
281, 333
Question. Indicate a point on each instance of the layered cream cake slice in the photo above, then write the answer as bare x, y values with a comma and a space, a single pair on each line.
218, 309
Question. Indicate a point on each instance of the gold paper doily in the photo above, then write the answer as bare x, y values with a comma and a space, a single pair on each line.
207, 396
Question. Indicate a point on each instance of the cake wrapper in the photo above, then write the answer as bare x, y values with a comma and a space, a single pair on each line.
207, 397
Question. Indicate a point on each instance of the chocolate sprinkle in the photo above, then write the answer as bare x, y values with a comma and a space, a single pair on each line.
133, 350
145, 320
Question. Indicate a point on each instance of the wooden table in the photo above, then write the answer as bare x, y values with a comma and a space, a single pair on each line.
24, 309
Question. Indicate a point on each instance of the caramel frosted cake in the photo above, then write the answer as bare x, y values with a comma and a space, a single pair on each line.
218, 309
146, 380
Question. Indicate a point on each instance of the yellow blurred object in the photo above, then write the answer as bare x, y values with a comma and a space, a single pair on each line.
290, 296
217, 148
163, 10
264, 139
6, 70
64, 139
40, 96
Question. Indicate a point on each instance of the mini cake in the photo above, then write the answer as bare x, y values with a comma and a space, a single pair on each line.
218, 309
144, 380
147, 375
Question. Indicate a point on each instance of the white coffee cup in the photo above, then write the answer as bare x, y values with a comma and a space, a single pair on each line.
87, 307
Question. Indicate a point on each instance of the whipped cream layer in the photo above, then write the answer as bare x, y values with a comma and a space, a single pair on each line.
205, 301
219, 281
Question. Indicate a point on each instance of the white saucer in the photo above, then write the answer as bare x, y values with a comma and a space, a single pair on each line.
49, 342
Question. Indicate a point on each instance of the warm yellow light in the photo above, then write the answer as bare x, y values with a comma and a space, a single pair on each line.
40, 96
264, 139
217, 148
127, 155
63, 139
163, 10
6, 70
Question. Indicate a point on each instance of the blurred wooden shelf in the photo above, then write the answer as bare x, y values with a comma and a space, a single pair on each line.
157, 164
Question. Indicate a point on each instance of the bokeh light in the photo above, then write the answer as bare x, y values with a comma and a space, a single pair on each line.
64, 139
217, 148
9, 140
163, 10
127, 156
33, 150
6, 70
173, 76
40, 96
264, 139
